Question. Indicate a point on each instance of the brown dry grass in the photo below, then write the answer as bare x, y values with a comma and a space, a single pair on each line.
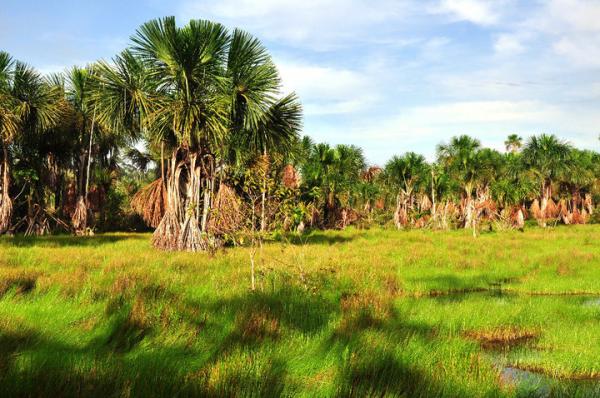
504, 337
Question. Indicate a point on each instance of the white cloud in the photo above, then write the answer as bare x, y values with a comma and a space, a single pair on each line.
582, 51
421, 128
317, 24
328, 90
508, 44
573, 15
572, 27
480, 112
476, 11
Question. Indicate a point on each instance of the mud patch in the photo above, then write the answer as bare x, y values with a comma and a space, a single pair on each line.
503, 339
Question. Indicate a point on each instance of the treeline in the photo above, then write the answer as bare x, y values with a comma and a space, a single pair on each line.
543, 179
187, 132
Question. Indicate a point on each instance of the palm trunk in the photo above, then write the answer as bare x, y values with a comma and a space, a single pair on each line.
180, 227
207, 193
6, 206
546, 195
80, 216
167, 232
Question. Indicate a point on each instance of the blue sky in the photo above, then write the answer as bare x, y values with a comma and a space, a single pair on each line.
389, 75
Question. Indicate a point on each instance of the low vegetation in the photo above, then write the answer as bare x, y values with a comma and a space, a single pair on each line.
350, 313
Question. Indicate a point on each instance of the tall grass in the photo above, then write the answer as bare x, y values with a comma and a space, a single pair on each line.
350, 313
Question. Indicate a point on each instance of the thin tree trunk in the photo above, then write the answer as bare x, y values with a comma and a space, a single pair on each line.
207, 195
433, 212
253, 248
252, 254
162, 163
89, 162
263, 223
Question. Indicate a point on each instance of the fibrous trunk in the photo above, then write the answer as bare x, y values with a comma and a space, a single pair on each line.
180, 227
79, 218
5, 201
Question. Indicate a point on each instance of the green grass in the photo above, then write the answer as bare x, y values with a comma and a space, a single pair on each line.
351, 313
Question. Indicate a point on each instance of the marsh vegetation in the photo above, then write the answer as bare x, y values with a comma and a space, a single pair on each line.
355, 313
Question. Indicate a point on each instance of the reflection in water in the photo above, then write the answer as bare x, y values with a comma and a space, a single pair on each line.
592, 302
533, 384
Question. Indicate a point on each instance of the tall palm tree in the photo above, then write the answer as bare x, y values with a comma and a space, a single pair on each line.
406, 174
513, 143
210, 91
548, 158
460, 158
28, 104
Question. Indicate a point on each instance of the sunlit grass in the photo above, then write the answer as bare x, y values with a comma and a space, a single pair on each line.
350, 313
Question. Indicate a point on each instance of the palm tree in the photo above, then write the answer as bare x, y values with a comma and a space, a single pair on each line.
405, 174
78, 93
489, 163
513, 186
335, 173
580, 180
460, 160
548, 158
210, 91
28, 104
513, 143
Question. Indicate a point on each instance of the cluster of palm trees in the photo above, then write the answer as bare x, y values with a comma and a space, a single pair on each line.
204, 97
189, 124
469, 184
544, 179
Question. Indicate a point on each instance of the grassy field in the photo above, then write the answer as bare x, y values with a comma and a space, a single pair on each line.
351, 313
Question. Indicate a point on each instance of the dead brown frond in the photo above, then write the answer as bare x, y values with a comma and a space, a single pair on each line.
424, 203
536, 210
578, 217
150, 202
290, 177
227, 215
552, 209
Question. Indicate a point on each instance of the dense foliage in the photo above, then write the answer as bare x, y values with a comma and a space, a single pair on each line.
187, 132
